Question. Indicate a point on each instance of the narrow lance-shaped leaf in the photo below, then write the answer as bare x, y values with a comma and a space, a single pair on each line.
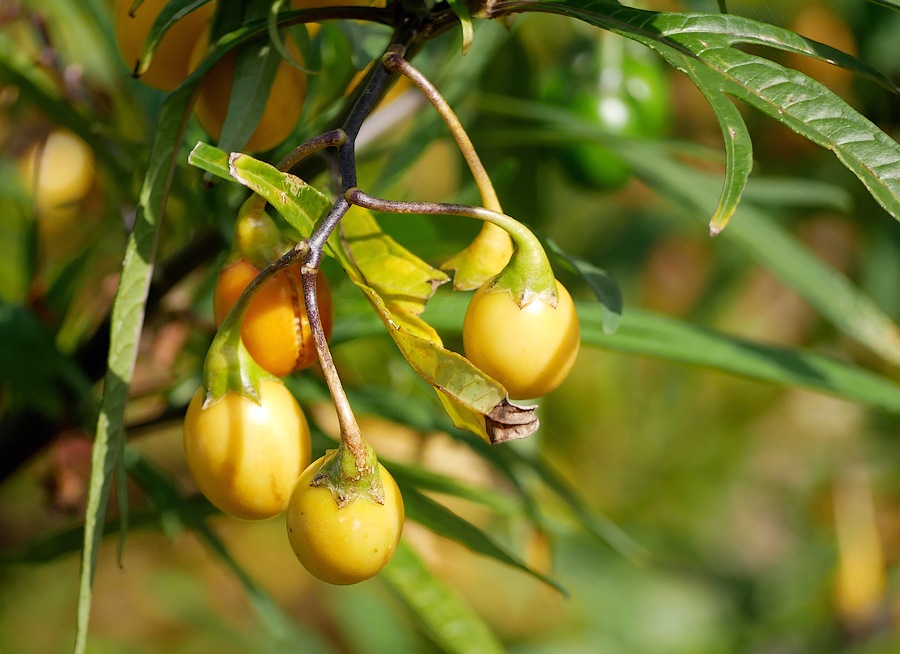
812, 110
447, 619
255, 67
890, 4
170, 502
658, 336
645, 333
440, 520
126, 324
776, 249
600, 282
738, 148
174, 11
465, 21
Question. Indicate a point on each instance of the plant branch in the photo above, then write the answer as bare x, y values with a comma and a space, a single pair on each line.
395, 61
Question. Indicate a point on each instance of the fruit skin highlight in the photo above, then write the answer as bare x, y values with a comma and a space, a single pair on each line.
245, 457
347, 545
530, 350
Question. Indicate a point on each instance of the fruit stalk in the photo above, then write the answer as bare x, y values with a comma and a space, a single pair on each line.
395, 61
351, 437
528, 275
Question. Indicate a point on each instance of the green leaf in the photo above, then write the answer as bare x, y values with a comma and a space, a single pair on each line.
465, 21
786, 192
645, 333
446, 618
701, 45
667, 338
441, 520
738, 146
424, 479
255, 66
402, 280
51, 546
33, 372
596, 524
170, 503
600, 282
827, 290
300, 204
125, 328
890, 4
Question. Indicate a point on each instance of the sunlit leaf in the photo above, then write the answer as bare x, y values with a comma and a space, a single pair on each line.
403, 282
126, 324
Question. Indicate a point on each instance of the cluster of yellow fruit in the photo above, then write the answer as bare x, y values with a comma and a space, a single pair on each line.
252, 459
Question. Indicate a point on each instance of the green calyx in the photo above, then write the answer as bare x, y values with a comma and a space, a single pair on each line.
528, 275
229, 368
348, 482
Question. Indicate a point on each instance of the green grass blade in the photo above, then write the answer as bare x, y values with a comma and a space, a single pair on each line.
446, 618
666, 338
776, 249
441, 520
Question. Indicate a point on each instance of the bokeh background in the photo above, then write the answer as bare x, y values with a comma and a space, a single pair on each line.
756, 517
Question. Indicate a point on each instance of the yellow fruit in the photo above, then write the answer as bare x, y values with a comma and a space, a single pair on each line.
343, 545
60, 172
530, 349
283, 106
244, 456
171, 59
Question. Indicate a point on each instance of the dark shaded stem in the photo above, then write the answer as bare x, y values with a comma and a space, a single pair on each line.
351, 437
331, 139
